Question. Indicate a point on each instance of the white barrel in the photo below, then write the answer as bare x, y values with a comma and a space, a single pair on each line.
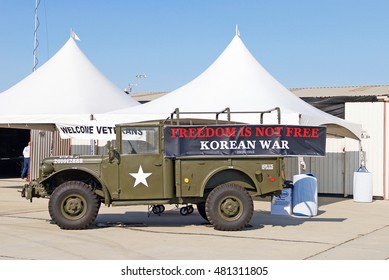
304, 195
363, 187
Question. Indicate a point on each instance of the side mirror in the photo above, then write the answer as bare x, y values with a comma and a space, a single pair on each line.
112, 153
109, 147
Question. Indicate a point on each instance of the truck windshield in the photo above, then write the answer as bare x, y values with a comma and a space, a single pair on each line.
139, 140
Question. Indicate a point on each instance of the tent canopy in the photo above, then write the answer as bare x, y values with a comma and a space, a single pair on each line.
238, 81
66, 88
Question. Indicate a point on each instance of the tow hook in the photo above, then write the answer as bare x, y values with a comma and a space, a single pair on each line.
26, 192
23, 191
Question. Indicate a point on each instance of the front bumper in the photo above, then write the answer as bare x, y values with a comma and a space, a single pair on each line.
33, 189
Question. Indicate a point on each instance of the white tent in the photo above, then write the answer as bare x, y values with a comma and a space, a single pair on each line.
67, 88
236, 80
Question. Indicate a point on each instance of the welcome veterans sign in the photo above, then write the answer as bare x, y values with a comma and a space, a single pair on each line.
267, 140
87, 131
101, 132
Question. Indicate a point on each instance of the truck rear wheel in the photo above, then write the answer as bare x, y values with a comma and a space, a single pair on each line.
229, 207
73, 205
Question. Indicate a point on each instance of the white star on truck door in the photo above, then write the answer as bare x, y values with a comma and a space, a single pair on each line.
140, 177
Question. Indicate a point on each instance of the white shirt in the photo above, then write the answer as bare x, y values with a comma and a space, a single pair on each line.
26, 152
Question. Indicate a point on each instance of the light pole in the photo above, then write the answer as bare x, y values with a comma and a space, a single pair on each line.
128, 89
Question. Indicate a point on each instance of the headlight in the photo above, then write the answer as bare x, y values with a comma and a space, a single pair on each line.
47, 169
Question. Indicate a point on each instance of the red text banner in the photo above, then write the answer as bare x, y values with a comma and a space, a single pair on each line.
230, 140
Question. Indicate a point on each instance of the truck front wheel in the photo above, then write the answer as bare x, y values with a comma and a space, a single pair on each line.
229, 207
73, 205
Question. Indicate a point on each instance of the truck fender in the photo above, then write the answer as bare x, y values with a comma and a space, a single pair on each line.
229, 174
82, 174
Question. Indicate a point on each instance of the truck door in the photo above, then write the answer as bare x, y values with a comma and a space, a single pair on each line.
141, 164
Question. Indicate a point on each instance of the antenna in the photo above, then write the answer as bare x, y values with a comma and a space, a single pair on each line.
36, 42
237, 31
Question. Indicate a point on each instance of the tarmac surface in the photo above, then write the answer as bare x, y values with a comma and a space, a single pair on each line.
342, 230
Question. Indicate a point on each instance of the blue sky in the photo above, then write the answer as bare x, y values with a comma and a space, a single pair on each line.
302, 43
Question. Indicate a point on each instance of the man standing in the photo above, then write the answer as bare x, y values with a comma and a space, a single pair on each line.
26, 162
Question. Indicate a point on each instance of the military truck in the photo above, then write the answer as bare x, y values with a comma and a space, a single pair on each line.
176, 161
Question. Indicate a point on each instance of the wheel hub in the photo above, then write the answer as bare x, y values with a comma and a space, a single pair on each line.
230, 207
73, 206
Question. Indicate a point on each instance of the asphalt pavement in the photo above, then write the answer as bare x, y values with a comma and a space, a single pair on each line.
342, 230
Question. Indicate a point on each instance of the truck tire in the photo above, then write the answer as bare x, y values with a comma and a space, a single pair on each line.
73, 205
201, 210
229, 207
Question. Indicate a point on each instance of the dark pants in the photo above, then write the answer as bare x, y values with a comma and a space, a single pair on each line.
26, 165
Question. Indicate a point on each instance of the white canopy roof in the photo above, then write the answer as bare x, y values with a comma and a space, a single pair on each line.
67, 88
236, 80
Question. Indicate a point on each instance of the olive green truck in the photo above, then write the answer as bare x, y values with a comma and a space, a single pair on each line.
218, 166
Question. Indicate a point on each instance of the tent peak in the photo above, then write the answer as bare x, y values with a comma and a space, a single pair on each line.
237, 33
73, 35
71, 82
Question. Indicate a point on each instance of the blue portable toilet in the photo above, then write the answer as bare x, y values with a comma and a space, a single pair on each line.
304, 195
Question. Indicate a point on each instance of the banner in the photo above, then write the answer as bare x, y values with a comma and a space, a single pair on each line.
237, 140
92, 131
87, 131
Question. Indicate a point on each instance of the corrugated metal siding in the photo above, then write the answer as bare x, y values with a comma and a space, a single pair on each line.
60, 147
40, 146
291, 167
371, 116
351, 165
81, 149
85, 147
329, 172
334, 172
45, 144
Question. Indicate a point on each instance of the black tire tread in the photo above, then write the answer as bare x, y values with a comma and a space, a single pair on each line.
81, 189
201, 210
229, 189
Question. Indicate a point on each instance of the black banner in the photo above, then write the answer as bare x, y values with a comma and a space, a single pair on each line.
267, 140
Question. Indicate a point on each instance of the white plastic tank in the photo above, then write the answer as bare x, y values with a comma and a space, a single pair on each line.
363, 186
304, 195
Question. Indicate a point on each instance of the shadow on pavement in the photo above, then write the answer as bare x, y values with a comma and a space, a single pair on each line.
175, 219
284, 221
